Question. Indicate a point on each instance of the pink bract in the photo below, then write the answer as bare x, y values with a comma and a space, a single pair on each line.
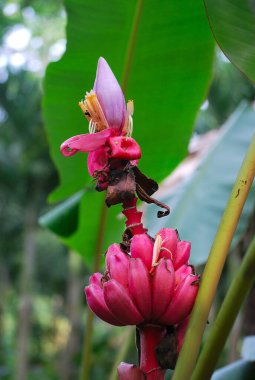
110, 95
85, 143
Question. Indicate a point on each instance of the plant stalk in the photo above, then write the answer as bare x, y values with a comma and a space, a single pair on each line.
150, 337
131, 45
125, 344
231, 305
86, 354
214, 266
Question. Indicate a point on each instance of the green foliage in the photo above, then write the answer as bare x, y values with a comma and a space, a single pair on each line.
152, 60
233, 25
239, 370
248, 348
229, 87
63, 219
198, 203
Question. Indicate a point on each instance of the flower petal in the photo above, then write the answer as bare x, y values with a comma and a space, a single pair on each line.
120, 303
124, 147
139, 286
85, 143
97, 160
129, 372
182, 301
96, 302
162, 287
182, 254
142, 247
110, 95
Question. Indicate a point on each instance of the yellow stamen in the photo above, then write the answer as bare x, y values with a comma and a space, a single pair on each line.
168, 250
93, 112
128, 126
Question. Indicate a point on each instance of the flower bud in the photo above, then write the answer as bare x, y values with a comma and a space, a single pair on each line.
110, 95
129, 372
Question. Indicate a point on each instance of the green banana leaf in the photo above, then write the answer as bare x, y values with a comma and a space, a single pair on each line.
198, 203
239, 370
63, 219
248, 348
233, 25
162, 54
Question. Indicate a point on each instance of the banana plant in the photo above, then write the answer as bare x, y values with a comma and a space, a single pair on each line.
162, 56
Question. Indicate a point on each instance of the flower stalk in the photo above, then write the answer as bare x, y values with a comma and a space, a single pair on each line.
225, 319
86, 353
133, 216
150, 337
127, 337
214, 266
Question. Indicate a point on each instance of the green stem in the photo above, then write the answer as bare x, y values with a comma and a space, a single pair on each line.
214, 266
86, 355
231, 305
125, 344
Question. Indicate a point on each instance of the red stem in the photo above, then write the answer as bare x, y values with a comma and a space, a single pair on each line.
150, 337
133, 216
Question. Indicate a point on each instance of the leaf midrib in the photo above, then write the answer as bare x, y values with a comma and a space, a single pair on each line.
131, 45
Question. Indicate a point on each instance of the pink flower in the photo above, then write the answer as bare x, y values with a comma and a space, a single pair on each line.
151, 284
110, 126
113, 153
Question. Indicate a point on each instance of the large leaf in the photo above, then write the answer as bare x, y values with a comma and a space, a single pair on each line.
239, 370
233, 25
248, 348
198, 203
243, 369
63, 219
163, 52
71, 220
